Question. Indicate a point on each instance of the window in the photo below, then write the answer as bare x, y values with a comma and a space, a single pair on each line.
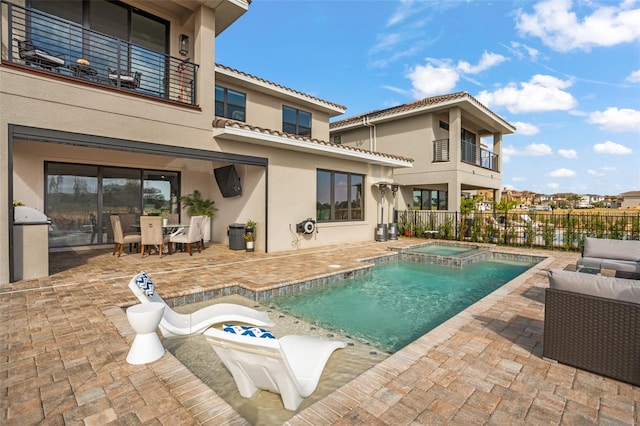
296, 121
425, 199
339, 196
230, 103
80, 198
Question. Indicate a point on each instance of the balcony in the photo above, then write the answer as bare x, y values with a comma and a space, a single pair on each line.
63, 49
468, 154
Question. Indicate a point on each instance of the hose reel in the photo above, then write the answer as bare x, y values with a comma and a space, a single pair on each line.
307, 226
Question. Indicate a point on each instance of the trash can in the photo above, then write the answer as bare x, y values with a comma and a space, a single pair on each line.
235, 232
30, 244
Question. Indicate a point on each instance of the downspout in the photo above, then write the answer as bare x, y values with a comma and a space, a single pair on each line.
372, 133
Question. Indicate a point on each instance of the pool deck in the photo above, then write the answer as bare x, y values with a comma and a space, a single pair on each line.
65, 339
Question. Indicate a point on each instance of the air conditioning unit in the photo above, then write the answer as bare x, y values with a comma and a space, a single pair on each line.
307, 226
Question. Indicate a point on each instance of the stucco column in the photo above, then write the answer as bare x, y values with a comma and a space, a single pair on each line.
4, 200
497, 150
454, 194
455, 132
204, 56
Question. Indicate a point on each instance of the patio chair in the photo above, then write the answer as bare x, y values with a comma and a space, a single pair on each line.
125, 79
152, 234
120, 238
290, 366
192, 236
174, 324
33, 55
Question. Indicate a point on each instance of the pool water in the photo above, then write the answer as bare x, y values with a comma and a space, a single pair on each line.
400, 301
442, 249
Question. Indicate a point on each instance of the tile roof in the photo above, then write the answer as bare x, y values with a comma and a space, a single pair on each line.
222, 123
279, 86
434, 100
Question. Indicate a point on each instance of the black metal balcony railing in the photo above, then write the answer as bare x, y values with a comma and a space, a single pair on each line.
61, 47
468, 154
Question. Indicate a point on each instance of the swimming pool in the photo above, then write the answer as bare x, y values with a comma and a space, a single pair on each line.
399, 301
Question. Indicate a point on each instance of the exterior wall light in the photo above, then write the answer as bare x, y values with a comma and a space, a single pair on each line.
184, 44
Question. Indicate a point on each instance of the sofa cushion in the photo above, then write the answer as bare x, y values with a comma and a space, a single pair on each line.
612, 249
595, 285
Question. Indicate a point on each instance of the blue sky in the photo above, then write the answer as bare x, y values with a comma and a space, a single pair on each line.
566, 74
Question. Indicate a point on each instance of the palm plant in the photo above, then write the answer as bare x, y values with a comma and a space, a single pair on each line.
198, 206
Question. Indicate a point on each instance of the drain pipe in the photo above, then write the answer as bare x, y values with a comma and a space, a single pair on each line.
372, 133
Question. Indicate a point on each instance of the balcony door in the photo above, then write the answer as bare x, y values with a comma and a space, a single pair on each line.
111, 35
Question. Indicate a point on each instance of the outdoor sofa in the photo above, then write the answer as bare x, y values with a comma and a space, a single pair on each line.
592, 322
620, 255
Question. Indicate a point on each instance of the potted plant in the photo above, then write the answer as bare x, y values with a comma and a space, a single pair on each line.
249, 240
250, 227
196, 205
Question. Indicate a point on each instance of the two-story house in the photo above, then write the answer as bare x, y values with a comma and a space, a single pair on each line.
118, 107
454, 140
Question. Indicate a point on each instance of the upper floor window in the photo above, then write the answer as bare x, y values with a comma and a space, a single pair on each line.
230, 103
339, 196
296, 121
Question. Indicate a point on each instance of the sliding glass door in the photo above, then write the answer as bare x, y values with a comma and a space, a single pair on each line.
81, 198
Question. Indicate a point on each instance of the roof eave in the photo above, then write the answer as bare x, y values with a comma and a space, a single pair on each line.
330, 108
504, 126
291, 143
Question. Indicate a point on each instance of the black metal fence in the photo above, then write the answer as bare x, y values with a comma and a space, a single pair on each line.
559, 231
61, 47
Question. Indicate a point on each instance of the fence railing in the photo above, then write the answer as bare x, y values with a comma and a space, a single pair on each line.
57, 46
564, 231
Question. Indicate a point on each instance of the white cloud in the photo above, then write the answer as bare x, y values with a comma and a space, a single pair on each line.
403, 11
440, 76
541, 93
428, 80
562, 173
531, 150
617, 120
518, 179
488, 60
570, 154
603, 171
526, 129
634, 77
553, 185
522, 51
559, 27
609, 147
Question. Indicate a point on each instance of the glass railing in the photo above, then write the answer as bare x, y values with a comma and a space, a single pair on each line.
60, 47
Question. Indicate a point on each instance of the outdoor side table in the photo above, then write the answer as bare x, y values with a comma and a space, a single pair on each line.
144, 319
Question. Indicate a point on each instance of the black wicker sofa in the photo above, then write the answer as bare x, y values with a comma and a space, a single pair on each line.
592, 322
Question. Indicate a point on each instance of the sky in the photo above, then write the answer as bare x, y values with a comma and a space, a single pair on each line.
565, 73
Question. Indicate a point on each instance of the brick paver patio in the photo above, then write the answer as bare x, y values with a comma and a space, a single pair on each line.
65, 339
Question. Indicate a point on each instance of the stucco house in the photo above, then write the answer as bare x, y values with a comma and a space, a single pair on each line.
630, 199
115, 107
454, 140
